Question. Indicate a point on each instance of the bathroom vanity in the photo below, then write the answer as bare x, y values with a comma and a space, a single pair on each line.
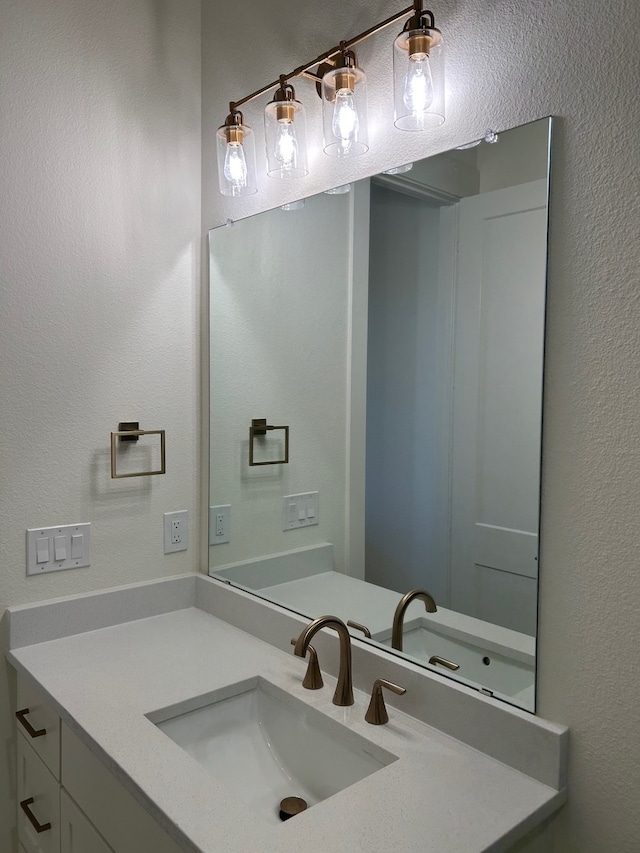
452, 770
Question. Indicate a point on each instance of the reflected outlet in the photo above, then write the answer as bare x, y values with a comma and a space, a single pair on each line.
219, 524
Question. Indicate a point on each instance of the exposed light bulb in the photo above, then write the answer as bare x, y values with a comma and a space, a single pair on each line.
235, 165
345, 118
286, 146
418, 86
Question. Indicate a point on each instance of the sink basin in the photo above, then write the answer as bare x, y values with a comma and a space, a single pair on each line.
264, 745
505, 671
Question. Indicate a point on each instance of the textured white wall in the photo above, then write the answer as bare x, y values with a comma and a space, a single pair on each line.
509, 63
99, 280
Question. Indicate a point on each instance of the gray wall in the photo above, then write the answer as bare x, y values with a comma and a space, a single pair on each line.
406, 482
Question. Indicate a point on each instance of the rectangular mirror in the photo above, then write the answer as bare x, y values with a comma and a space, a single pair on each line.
388, 342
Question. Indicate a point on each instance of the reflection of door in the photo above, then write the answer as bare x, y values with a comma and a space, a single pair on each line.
408, 392
497, 404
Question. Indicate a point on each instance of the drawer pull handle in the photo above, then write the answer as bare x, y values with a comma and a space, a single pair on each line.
22, 716
39, 827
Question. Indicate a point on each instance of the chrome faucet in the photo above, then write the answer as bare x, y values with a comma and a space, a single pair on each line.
344, 688
398, 616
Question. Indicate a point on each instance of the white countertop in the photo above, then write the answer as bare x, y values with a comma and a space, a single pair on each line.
440, 796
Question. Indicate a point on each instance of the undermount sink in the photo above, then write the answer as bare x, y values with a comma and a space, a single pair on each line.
505, 671
264, 745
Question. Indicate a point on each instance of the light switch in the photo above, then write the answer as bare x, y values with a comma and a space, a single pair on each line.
76, 546
42, 550
52, 549
60, 548
300, 510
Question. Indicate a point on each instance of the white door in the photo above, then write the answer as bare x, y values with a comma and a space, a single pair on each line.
497, 404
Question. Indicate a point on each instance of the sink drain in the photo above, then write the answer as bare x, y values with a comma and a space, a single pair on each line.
291, 806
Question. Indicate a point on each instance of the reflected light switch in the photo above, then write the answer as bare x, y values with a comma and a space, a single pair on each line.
300, 510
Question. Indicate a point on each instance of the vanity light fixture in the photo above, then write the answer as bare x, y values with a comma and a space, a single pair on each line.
341, 190
236, 157
293, 205
285, 132
419, 104
344, 107
399, 170
418, 78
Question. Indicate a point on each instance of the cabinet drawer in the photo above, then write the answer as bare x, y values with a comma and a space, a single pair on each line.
120, 819
77, 835
38, 803
36, 716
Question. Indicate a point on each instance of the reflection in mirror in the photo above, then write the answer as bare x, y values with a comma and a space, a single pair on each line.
397, 332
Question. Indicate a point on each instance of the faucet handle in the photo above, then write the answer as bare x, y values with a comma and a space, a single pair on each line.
377, 711
313, 678
359, 627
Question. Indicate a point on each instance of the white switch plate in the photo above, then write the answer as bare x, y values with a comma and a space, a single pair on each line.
300, 510
176, 531
41, 548
219, 524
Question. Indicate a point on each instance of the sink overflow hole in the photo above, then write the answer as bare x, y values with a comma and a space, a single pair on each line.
486, 660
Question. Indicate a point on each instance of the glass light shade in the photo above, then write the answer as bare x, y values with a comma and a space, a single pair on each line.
418, 79
285, 133
399, 170
344, 112
341, 190
236, 160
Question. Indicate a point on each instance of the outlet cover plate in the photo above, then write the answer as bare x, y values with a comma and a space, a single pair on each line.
219, 524
176, 531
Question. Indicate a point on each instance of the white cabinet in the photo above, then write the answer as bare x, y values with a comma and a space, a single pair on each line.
38, 803
111, 808
77, 835
40, 724
68, 801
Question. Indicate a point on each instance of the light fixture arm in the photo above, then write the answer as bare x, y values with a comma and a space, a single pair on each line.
306, 70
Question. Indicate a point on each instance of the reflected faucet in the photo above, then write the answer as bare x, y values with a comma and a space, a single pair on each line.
398, 616
344, 688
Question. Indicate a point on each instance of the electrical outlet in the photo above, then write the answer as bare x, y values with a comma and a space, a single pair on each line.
176, 531
219, 524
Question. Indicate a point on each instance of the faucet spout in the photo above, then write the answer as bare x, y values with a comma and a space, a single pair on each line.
344, 688
398, 616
